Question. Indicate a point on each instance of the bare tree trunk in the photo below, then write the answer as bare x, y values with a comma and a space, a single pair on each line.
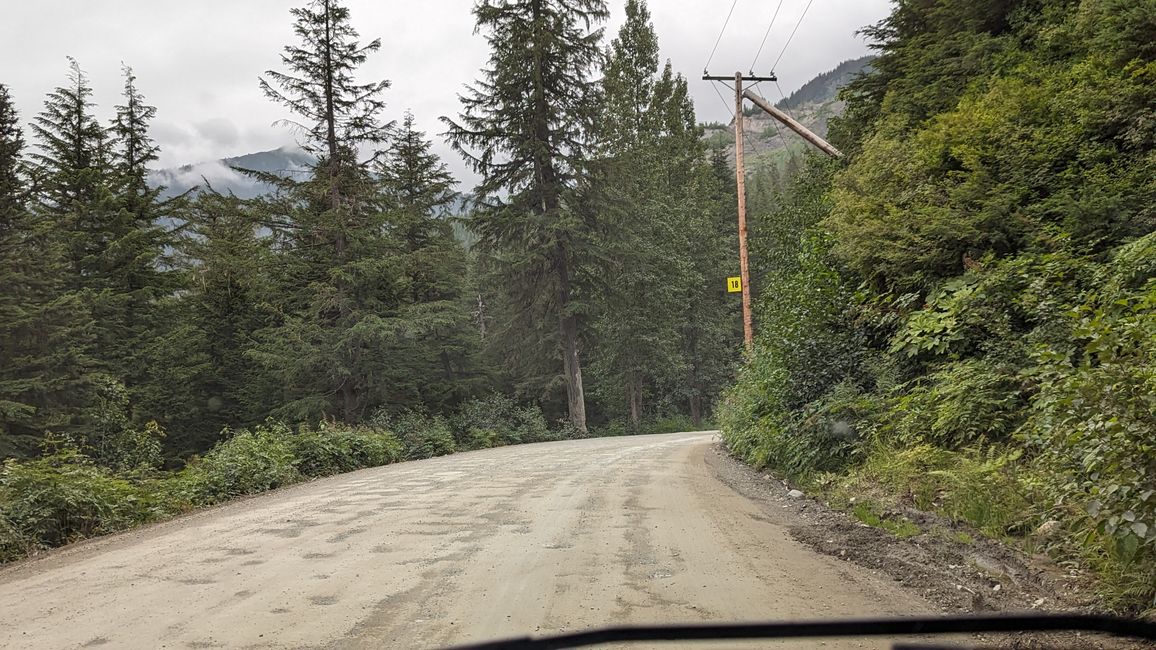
348, 403
635, 390
568, 326
696, 409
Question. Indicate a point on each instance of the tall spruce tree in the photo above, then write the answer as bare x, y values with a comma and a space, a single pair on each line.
73, 153
663, 332
75, 197
524, 128
17, 307
710, 328
12, 182
205, 380
42, 347
640, 225
133, 266
437, 368
338, 286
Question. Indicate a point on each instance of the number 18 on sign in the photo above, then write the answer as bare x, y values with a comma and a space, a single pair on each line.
734, 285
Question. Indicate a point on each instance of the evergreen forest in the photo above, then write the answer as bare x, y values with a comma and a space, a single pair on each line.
160, 353
957, 316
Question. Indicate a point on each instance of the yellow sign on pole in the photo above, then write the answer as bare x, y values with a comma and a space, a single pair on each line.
734, 285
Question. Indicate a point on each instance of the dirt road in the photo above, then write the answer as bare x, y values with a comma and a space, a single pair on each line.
476, 546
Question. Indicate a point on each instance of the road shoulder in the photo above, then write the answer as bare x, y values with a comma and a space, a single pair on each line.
976, 576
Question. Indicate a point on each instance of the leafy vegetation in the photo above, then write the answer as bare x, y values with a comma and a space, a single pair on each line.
960, 316
66, 494
159, 354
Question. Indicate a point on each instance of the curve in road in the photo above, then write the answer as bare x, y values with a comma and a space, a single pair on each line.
476, 546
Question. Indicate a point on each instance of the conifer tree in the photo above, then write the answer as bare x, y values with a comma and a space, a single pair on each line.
337, 283
437, 368
73, 146
524, 128
133, 261
74, 200
205, 380
41, 328
640, 224
134, 149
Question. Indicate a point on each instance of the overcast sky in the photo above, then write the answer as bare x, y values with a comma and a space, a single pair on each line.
198, 62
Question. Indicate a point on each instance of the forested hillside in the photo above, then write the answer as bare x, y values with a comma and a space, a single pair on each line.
961, 315
163, 349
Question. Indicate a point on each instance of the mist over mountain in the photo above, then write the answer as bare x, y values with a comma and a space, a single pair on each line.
813, 104
223, 175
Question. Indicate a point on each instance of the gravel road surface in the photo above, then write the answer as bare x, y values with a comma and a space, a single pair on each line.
533, 539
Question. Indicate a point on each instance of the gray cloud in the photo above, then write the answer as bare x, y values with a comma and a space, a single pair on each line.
199, 62
219, 131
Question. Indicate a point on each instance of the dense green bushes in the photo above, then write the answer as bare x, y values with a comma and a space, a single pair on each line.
68, 495
498, 420
64, 497
980, 319
1002, 402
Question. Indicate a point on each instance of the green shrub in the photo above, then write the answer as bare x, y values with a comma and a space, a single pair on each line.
498, 420
330, 449
823, 436
322, 451
676, 423
980, 487
421, 435
960, 404
13, 544
65, 497
612, 429
370, 447
796, 404
246, 462
1094, 415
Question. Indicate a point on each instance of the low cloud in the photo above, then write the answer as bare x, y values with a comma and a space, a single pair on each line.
219, 131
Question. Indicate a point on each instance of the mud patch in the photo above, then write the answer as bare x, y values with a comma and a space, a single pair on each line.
344, 535
323, 600
197, 581
285, 533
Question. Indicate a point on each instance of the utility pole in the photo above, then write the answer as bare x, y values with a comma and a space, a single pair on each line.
740, 176
741, 180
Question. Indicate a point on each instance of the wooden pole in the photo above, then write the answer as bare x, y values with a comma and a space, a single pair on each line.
741, 178
793, 125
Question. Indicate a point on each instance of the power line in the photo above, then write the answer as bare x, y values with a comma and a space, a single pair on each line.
720, 35
731, 110
730, 107
765, 35
783, 96
785, 45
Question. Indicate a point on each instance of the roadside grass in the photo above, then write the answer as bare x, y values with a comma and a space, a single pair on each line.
870, 514
68, 495
993, 492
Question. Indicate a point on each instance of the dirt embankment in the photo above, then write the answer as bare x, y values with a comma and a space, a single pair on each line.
954, 567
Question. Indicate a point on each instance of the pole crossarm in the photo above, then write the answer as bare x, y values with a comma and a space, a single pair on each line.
791, 124
731, 78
